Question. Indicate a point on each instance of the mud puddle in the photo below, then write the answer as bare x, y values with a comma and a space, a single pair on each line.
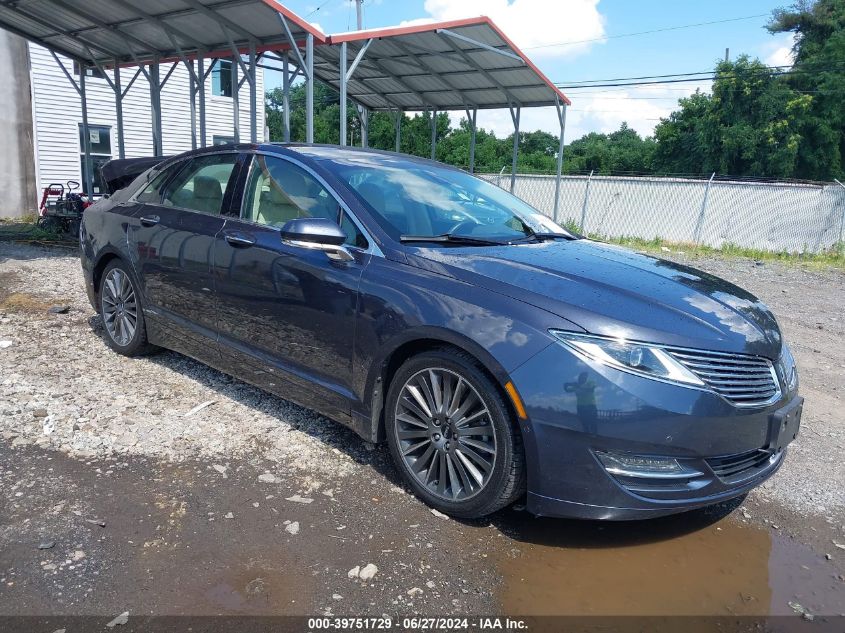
683, 565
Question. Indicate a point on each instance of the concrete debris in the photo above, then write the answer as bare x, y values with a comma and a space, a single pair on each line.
438, 514
368, 572
267, 478
120, 620
299, 499
199, 408
292, 528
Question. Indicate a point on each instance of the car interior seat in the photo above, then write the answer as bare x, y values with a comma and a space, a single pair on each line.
208, 194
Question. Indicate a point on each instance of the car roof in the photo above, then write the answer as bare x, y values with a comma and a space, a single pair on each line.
315, 152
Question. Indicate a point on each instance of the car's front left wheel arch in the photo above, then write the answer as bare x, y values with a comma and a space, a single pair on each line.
452, 434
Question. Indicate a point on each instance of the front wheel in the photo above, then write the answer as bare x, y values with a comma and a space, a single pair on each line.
452, 436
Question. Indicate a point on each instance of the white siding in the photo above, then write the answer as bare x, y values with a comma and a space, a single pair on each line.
58, 113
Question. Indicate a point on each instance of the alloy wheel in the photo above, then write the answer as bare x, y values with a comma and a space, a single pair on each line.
120, 308
445, 434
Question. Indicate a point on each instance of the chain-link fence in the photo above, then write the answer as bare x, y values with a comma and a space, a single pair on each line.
770, 216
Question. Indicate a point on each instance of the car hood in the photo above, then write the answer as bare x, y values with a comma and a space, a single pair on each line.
612, 291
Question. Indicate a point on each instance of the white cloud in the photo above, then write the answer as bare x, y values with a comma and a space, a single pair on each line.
538, 26
779, 52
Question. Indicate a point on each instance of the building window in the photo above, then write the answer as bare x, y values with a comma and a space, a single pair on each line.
221, 78
222, 140
99, 139
90, 71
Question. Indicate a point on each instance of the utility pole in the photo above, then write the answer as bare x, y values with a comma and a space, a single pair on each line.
358, 15
727, 54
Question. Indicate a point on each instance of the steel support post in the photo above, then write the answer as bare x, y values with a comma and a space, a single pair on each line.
399, 116
515, 117
840, 244
343, 53
118, 109
236, 106
700, 223
286, 98
364, 118
88, 185
586, 203
309, 88
561, 116
433, 134
201, 96
155, 107
253, 95
192, 91
471, 117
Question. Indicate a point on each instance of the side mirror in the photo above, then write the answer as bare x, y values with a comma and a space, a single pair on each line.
316, 234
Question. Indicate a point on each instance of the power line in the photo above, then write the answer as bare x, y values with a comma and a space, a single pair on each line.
662, 30
685, 78
318, 8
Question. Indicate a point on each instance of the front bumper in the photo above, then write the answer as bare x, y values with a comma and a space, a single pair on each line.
577, 407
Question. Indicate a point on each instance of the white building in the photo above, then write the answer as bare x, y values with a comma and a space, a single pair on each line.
56, 121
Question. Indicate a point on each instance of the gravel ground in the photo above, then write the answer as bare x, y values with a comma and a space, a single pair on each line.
86, 434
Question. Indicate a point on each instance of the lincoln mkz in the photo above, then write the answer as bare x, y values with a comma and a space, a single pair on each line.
498, 354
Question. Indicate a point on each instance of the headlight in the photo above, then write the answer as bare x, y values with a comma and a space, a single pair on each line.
636, 358
788, 369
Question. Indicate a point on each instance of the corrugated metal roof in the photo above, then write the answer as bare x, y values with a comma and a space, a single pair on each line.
445, 65
132, 31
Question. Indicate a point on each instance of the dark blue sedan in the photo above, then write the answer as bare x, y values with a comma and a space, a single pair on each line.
497, 354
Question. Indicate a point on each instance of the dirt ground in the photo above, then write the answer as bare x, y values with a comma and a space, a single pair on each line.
118, 496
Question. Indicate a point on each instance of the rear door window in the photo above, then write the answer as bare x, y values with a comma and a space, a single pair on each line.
202, 185
152, 192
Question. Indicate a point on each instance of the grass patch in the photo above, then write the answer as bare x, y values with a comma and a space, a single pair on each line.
833, 258
26, 230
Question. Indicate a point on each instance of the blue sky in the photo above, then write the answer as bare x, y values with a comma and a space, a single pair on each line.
541, 26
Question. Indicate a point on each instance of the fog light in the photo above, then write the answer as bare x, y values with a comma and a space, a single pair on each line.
645, 466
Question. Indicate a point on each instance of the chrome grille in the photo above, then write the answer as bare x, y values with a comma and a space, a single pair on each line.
734, 467
746, 381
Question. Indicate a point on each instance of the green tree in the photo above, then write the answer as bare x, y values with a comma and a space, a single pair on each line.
621, 151
819, 74
749, 126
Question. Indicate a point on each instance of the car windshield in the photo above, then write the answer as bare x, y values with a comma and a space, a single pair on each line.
415, 200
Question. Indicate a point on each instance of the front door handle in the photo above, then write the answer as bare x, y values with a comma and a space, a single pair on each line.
150, 220
239, 240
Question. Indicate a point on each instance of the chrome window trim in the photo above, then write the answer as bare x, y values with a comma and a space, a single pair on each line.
372, 246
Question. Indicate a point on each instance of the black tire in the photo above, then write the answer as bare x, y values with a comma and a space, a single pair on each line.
503, 483
135, 344
51, 224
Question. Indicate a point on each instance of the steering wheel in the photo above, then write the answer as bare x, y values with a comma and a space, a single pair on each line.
72, 184
464, 224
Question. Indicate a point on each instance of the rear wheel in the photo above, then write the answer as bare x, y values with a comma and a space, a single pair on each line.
122, 312
452, 436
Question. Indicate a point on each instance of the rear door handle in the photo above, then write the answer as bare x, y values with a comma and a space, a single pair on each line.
150, 220
239, 240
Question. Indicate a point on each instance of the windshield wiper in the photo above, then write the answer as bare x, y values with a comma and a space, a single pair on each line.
547, 237
452, 239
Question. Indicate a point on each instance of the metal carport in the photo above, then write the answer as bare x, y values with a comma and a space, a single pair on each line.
467, 65
458, 65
